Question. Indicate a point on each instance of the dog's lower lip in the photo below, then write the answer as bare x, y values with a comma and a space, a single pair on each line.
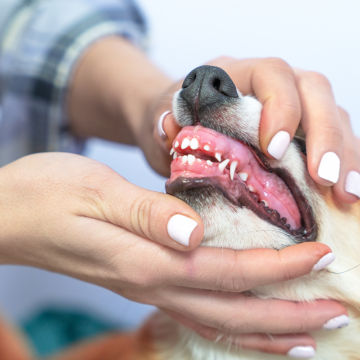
241, 195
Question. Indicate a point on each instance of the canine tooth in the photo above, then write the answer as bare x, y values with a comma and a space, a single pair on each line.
172, 151
194, 143
176, 144
222, 166
209, 162
175, 155
199, 160
191, 159
184, 159
185, 143
243, 176
251, 188
218, 157
265, 202
207, 147
232, 169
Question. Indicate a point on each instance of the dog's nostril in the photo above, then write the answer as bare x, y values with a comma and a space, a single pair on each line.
216, 84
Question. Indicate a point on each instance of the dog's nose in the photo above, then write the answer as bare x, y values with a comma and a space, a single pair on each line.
207, 86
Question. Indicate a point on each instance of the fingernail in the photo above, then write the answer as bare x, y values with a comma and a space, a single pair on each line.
279, 144
337, 323
302, 352
324, 262
160, 125
180, 228
329, 168
352, 183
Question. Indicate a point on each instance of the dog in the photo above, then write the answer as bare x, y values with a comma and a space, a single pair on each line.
246, 201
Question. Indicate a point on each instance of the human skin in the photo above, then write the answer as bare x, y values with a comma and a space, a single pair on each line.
118, 94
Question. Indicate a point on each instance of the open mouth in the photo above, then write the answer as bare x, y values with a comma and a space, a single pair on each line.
206, 158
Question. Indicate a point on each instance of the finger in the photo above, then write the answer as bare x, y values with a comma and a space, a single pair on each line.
347, 189
274, 344
238, 313
236, 271
274, 84
322, 126
272, 81
159, 217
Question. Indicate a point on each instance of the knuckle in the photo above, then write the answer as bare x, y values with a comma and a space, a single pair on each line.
235, 324
277, 62
234, 283
292, 110
317, 78
141, 214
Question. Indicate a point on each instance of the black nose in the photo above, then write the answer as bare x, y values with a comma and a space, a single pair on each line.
207, 86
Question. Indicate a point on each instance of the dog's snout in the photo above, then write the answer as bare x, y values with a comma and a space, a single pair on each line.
207, 86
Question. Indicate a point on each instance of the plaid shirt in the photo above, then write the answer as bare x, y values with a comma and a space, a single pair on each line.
40, 44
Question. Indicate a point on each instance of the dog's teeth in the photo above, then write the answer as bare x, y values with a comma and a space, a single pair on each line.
199, 160
194, 143
232, 169
172, 151
175, 155
243, 176
185, 143
176, 144
222, 166
251, 188
275, 215
209, 162
283, 220
191, 159
265, 203
288, 226
184, 159
218, 157
207, 147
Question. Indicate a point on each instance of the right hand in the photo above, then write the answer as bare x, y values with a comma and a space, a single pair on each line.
72, 215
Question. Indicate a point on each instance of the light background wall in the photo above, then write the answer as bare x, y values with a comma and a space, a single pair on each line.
316, 35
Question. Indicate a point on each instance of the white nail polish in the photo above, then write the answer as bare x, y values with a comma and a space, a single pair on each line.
180, 228
160, 125
279, 144
352, 183
302, 352
337, 323
329, 168
324, 262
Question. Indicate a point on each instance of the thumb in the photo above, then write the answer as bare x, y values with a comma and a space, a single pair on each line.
159, 217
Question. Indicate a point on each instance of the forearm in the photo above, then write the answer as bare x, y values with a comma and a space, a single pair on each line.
112, 89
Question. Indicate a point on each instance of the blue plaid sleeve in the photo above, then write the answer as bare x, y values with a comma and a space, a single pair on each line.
40, 45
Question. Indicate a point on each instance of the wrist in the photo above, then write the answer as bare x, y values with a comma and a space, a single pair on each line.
113, 87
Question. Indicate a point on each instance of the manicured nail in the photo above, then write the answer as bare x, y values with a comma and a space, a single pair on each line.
329, 168
279, 144
337, 323
180, 228
160, 125
324, 262
352, 183
302, 352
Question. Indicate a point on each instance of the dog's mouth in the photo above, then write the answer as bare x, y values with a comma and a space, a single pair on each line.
205, 158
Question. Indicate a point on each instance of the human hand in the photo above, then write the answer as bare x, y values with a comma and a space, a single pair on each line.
291, 97
72, 215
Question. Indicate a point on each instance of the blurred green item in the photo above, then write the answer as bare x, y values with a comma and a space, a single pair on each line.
55, 329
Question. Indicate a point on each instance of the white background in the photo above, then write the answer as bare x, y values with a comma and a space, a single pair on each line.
309, 34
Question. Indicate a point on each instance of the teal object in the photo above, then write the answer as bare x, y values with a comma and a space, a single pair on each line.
53, 330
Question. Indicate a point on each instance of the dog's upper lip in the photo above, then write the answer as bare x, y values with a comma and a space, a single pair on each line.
263, 184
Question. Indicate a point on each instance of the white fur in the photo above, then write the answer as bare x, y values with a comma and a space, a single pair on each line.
341, 231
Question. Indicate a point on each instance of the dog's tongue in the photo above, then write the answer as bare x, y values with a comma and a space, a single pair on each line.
204, 153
